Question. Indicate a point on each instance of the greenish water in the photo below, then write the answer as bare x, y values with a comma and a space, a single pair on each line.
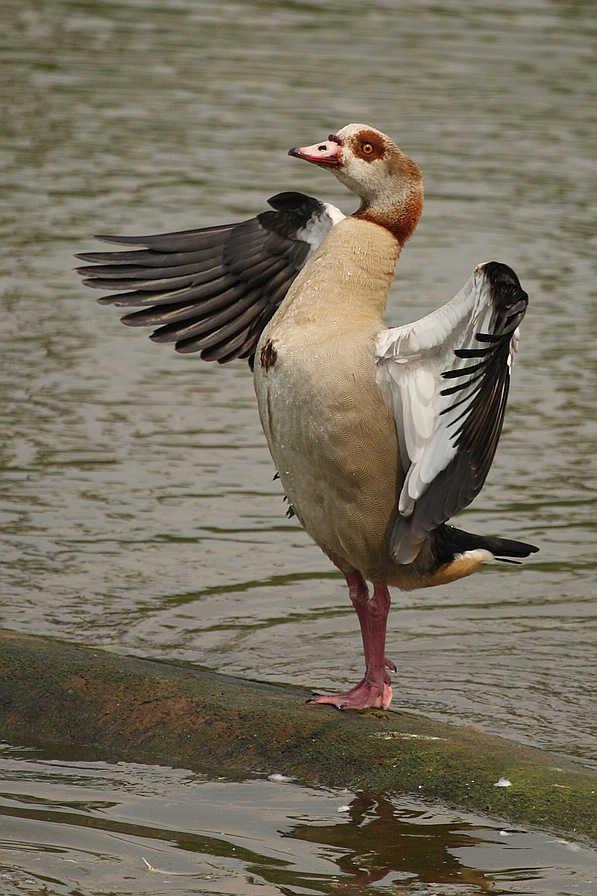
139, 511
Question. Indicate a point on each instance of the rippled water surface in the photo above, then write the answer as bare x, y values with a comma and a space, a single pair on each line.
139, 511
89, 828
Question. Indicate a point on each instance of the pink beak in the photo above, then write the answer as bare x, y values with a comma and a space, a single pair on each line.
326, 154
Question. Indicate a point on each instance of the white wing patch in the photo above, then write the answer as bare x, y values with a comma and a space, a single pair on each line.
411, 361
318, 226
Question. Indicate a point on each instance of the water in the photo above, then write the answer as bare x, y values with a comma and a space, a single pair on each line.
139, 509
87, 828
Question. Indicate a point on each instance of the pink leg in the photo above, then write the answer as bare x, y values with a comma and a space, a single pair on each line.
374, 689
359, 596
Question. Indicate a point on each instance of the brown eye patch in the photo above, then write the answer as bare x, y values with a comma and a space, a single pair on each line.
367, 145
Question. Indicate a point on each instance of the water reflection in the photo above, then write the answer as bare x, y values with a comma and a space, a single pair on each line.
389, 843
93, 827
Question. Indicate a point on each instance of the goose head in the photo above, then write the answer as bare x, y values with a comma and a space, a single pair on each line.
388, 182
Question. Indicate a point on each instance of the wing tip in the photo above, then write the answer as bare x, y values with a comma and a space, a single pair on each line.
502, 278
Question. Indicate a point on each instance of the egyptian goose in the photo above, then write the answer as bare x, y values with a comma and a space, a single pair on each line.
379, 435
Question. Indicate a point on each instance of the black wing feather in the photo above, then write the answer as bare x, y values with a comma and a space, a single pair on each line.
211, 290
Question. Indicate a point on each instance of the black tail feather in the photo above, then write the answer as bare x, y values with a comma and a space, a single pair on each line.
449, 541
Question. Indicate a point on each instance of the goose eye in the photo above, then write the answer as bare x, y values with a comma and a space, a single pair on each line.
367, 148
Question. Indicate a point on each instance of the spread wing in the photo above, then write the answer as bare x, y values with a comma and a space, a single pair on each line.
212, 290
446, 380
